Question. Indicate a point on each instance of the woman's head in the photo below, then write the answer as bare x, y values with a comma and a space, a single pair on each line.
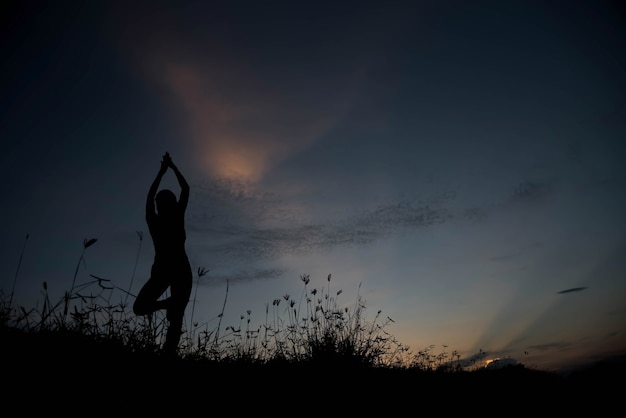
165, 200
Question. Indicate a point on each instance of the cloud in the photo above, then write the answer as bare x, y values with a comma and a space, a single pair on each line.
258, 243
560, 346
234, 134
572, 290
531, 191
395, 217
238, 227
237, 120
244, 275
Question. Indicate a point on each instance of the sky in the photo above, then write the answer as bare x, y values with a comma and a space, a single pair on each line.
457, 165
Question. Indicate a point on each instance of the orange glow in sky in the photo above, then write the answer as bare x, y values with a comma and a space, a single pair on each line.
238, 137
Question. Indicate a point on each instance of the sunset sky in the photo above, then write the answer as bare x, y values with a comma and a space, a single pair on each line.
458, 165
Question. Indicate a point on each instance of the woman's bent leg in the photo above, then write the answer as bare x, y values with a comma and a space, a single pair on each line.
147, 301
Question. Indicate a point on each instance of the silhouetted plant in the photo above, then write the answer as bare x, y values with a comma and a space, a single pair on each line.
17, 271
315, 328
69, 295
201, 272
132, 278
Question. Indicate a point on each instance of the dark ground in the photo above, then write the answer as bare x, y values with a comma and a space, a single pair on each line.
77, 376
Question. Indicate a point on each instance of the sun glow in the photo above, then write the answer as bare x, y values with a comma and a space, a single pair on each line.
488, 362
238, 128
232, 159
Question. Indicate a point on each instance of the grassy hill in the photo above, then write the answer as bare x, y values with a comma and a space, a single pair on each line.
68, 372
81, 356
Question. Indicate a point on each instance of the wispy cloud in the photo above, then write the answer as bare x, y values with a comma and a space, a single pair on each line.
258, 242
572, 290
246, 275
238, 121
240, 135
243, 228
559, 346
531, 191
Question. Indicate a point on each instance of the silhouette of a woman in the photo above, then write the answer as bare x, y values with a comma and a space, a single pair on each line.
171, 267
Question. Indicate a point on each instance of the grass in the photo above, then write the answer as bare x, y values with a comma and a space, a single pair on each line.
307, 346
312, 328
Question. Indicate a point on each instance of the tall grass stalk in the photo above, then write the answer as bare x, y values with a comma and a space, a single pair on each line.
317, 330
69, 295
221, 315
132, 278
17, 271
201, 272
